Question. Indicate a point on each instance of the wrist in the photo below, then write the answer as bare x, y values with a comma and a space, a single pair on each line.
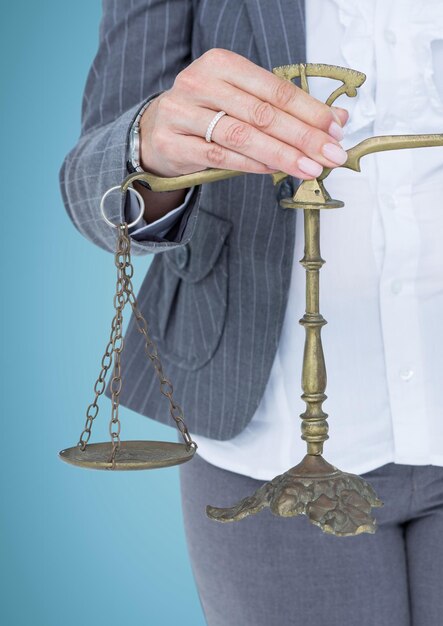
159, 203
133, 163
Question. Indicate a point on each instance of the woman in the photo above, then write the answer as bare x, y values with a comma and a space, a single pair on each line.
224, 300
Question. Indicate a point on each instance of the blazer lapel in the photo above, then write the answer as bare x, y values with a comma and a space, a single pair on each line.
279, 31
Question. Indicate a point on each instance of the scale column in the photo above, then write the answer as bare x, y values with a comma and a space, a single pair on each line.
314, 425
338, 502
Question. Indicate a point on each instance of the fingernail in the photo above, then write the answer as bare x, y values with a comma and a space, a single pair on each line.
336, 131
309, 167
337, 117
334, 153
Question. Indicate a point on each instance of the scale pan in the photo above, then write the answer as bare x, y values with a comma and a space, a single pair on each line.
132, 455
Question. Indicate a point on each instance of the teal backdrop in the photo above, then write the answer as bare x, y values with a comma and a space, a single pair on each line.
78, 547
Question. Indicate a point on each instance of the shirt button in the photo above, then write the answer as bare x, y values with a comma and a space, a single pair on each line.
390, 36
396, 286
388, 200
181, 257
406, 374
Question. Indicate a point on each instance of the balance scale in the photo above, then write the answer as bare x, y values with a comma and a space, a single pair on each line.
338, 502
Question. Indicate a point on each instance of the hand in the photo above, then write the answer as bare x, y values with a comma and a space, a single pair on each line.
271, 124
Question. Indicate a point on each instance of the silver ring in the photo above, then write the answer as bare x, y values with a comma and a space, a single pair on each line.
212, 125
140, 201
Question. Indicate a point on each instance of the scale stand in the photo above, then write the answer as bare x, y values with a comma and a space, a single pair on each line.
337, 502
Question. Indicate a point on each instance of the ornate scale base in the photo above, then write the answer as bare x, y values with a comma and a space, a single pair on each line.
131, 455
339, 503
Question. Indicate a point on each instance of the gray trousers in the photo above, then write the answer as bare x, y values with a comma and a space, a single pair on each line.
271, 571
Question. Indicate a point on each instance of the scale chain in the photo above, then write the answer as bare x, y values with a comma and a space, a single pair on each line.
124, 292
112, 354
151, 351
99, 387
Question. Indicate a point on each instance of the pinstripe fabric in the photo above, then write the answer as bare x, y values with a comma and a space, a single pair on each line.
215, 299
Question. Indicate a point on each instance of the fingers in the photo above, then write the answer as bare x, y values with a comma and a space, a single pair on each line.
343, 115
243, 138
242, 73
268, 122
200, 154
271, 125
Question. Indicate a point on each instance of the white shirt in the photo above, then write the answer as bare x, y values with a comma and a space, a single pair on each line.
381, 289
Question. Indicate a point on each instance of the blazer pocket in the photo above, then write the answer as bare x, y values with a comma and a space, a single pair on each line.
186, 294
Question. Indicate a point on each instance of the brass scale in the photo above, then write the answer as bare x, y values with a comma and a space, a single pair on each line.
339, 503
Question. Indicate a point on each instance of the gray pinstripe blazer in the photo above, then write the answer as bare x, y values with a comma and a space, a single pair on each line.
215, 299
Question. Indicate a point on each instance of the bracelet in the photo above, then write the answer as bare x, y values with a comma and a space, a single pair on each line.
133, 163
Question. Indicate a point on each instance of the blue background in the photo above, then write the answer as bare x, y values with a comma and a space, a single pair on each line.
77, 546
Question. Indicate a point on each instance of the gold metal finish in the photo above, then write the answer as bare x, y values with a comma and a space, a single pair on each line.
337, 502
351, 80
311, 194
384, 143
211, 175
158, 183
129, 455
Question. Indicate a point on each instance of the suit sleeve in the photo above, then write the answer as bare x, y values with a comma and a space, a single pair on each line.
143, 231
143, 45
